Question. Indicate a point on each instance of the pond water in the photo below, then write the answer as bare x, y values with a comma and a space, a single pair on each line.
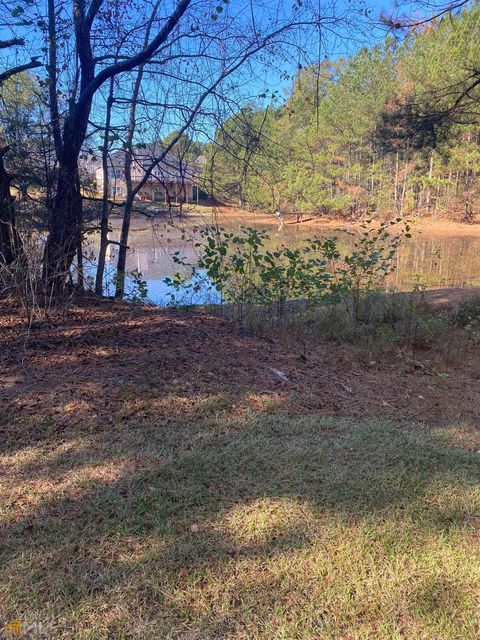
434, 261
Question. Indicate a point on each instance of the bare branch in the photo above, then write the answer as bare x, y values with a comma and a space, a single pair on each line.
138, 59
92, 12
13, 42
409, 23
33, 64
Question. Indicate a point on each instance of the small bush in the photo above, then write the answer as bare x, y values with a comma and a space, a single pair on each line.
467, 313
245, 272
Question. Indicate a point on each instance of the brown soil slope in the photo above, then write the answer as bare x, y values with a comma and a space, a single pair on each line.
105, 363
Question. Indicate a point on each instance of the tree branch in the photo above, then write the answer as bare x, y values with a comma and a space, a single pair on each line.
208, 91
33, 64
138, 59
92, 11
405, 23
13, 42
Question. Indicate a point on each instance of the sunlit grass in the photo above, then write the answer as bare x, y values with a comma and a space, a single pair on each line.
263, 527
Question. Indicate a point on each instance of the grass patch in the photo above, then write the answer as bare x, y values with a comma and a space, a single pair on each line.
270, 526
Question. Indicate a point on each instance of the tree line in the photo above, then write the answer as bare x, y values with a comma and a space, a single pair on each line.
393, 129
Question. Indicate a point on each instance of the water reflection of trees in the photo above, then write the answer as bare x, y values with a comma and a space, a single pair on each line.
429, 260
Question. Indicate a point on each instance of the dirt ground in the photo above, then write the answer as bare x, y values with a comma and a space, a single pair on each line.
75, 371
206, 214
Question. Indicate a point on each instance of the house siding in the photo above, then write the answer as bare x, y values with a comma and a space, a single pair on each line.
170, 182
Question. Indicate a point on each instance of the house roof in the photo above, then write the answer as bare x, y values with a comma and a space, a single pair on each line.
171, 167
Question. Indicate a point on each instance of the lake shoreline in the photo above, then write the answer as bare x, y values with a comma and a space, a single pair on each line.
203, 215
441, 254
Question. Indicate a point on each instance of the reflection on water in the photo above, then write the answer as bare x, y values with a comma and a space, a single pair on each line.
426, 259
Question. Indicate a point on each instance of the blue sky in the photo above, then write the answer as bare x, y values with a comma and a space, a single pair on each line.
360, 26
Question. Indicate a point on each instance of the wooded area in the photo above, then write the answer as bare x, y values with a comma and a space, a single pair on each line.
391, 130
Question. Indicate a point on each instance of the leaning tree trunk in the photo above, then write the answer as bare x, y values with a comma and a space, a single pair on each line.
65, 227
123, 248
66, 221
9, 239
131, 192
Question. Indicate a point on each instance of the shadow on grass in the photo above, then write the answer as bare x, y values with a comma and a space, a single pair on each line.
161, 513
162, 483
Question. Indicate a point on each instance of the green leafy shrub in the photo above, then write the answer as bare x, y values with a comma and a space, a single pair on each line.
245, 272
365, 269
138, 294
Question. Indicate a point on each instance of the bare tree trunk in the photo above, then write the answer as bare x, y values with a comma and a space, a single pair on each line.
404, 185
104, 242
10, 244
65, 232
123, 248
429, 190
80, 269
65, 236
130, 197
447, 191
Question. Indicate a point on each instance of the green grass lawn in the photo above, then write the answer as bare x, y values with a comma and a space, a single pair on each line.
267, 526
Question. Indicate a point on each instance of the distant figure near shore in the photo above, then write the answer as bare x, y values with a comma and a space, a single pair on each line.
280, 218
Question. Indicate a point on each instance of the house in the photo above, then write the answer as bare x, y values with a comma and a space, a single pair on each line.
171, 181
